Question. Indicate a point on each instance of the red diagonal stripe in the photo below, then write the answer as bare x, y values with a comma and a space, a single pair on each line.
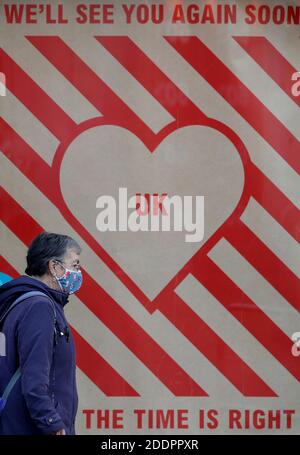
209, 66
7, 268
28, 161
275, 202
88, 360
109, 312
75, 70
247, 313
35, 99
271, 61
99, 371
265, 262
212, 346
152, 78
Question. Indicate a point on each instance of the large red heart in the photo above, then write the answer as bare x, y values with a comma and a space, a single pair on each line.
193, 160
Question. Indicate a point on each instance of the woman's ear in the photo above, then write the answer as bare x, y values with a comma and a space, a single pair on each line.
52, 267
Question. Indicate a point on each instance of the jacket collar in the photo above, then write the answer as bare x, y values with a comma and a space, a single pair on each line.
14, 288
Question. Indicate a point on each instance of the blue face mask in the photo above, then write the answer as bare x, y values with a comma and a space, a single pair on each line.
70, 281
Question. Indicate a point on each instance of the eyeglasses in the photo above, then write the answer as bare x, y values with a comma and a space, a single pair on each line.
77, 266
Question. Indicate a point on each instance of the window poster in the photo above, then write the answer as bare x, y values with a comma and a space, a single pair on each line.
163, 136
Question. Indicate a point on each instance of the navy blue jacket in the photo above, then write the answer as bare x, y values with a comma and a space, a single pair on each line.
44, 399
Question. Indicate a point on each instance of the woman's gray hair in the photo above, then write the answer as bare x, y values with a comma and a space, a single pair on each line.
46, 246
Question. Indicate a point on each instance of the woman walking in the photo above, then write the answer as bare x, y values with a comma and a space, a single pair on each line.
37, 361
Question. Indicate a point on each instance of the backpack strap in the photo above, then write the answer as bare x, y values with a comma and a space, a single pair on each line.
17, 373
9, 388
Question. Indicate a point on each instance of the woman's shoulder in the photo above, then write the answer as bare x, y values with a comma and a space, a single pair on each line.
39, 307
